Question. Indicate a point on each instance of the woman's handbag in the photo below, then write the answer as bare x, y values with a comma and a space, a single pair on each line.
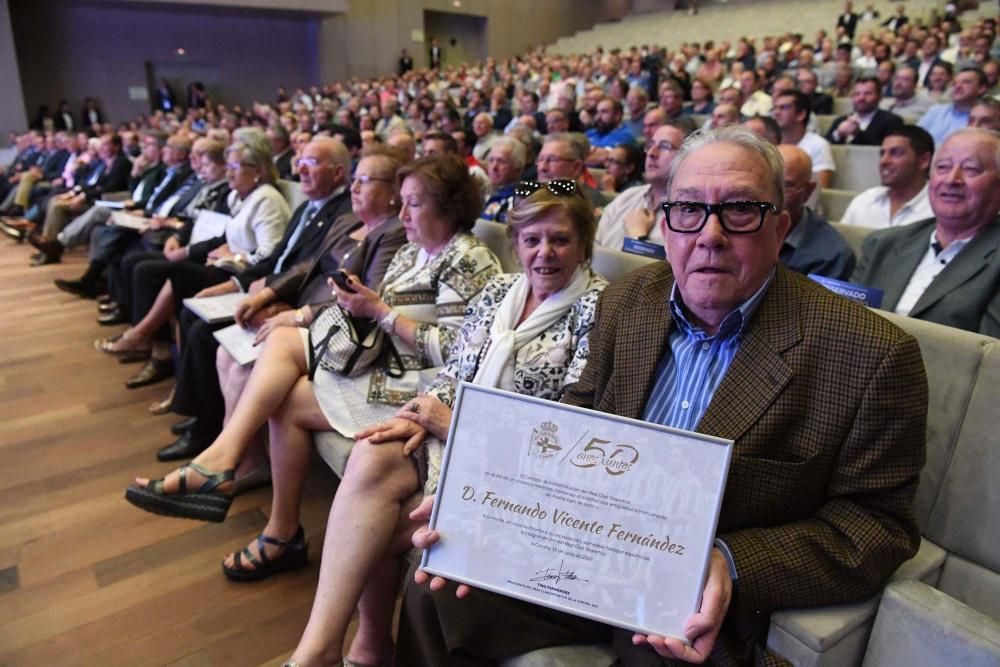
343, 345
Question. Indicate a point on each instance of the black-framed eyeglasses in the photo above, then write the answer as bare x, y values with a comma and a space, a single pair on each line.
558, 187
737, 217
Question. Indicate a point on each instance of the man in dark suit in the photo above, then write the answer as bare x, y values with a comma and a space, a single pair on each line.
435, 54
808, 83
324, 170
946, 269
817, 505
110, 175
898, 20
848, 20
281, 147
405, 62
867, 125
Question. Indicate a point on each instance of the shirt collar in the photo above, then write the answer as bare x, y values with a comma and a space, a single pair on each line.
318, 204
732, 325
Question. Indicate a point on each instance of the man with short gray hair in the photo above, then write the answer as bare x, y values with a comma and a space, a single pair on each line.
504, 166
946, 269
725, 342
562, 157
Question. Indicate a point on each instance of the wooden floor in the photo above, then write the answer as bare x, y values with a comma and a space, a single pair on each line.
85, 578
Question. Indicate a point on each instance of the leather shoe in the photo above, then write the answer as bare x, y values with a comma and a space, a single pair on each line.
184, 447
42, 259
51, 248
183, 426
77, 287
111, 317
154, 371
17, 229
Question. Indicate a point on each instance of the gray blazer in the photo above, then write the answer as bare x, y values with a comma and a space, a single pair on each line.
965, 295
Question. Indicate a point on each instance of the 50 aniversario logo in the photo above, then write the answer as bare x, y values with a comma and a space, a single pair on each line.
607, 455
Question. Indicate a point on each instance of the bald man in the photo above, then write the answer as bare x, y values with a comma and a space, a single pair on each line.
812, 244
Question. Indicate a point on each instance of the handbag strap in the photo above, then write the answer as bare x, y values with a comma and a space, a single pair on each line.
313, 357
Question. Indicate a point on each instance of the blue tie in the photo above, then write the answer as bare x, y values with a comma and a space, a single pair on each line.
311, 210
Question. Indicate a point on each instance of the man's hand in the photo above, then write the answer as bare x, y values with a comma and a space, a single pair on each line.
248, 308
702, 628
173, 250
424, 538
638, 223
848, 127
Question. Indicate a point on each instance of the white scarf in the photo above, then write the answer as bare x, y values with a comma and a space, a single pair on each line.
506, 340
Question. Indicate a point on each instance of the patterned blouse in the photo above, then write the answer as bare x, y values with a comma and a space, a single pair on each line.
434, 291
543, 366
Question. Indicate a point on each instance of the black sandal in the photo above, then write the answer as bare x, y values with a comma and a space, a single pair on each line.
295, 554
205, 504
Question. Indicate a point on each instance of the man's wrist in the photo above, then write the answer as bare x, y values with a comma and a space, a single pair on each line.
728, 556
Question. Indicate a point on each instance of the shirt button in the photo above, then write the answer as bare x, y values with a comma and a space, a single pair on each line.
685, 405
705, 346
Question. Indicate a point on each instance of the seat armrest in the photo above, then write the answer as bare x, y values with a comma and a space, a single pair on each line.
920, 625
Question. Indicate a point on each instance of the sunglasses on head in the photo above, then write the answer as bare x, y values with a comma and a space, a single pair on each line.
559, 187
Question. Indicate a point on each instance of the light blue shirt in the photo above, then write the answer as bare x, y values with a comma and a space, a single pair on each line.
695, 363
943, 119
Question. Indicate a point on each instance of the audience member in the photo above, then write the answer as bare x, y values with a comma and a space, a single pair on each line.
907, 101
941, 120
946, 269
504, 167
791, 112
717, 314
904, 159
636, 212
812, 245
867, 125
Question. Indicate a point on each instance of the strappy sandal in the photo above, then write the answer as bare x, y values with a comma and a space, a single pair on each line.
295, 553
106, 345
205, 504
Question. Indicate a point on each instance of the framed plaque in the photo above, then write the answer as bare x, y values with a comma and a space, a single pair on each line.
592, 514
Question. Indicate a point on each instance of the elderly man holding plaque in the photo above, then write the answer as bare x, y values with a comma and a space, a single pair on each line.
826, 403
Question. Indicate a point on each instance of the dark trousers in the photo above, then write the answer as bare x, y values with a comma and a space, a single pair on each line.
198, 393
120, 273
435, 628
186, 279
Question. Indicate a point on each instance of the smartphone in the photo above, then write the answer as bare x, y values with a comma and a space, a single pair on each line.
340, 278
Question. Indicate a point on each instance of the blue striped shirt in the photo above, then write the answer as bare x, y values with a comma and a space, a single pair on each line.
695, 363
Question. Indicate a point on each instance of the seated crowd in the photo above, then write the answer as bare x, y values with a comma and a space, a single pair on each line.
395, 172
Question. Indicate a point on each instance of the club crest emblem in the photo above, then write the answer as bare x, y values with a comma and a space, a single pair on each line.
544, 443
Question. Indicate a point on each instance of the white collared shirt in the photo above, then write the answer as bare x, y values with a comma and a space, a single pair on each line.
872, 208
930, 266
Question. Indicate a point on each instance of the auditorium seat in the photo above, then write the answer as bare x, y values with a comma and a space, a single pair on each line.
835, 202
823, 123
292, 192
854, 235
857, 167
